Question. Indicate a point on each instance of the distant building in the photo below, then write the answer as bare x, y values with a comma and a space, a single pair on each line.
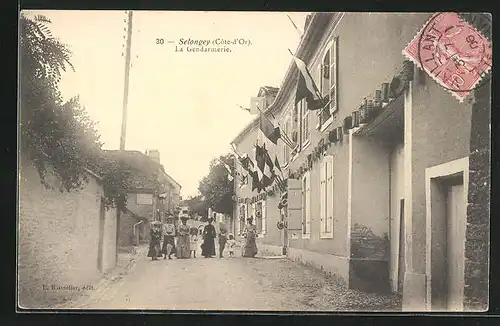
151, 194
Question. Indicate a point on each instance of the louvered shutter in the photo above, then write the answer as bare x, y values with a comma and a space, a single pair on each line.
308, 203
253, 215
329, 200
333, 76
264, 216
294, 207
322, 185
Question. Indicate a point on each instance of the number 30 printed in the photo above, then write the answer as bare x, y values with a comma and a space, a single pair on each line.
160, 41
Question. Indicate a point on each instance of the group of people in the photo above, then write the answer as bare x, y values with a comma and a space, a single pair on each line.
162, 240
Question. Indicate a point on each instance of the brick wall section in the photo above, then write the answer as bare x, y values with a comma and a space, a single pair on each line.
58, 238
478, 213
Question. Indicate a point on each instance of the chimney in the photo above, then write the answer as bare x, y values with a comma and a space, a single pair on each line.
154, 154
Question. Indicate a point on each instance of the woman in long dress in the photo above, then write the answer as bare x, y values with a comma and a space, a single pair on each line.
154, 243
250, 234
168, 238
183, 250
209, 234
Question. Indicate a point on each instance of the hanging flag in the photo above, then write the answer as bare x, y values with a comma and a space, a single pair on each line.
246, 163
265, 165
306, 87
278, 175
268, 167
273, 133
256, 184
295, 26
277, 166
230, 173
268, 129
244, 181
241, 107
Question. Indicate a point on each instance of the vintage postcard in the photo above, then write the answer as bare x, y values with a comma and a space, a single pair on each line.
254, 161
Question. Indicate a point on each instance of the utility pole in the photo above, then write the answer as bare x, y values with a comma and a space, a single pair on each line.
124, 122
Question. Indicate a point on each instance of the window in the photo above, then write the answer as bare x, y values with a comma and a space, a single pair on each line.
301, 133
243, 213
328, 80
326, 197
259, 214
305, 132
306, 206
286, 149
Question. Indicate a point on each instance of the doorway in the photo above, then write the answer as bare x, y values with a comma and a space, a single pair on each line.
455, 244
446, 206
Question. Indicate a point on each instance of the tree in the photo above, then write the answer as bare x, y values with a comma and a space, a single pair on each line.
57, 136
217, 190
197, 206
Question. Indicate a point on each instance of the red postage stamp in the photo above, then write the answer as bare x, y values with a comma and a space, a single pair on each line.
452, 52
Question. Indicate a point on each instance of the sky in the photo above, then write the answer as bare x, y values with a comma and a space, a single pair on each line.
182, 103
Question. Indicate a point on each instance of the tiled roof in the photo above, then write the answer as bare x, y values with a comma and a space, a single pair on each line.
142, 169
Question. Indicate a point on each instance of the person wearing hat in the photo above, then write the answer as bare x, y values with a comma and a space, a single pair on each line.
250, 233
168, 237
154, 243
183, 250
209, 235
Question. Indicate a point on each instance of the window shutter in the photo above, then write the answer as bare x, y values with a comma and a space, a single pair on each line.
308, 203
264, 216
294, 207
322, 184
330, 187
253, 213
305, 122
333, 76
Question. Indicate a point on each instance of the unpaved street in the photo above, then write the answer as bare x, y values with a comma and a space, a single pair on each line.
229, 284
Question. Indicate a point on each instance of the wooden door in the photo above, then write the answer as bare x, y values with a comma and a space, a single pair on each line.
456, 223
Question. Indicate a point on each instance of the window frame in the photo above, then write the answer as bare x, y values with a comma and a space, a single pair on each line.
245, 216
263, 229
286, 149
327, 192
332, 52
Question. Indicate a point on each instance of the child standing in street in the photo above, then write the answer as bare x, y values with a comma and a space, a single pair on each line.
193, 241
231, 244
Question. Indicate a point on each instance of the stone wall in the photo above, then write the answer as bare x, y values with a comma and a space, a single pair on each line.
58, 239
478, 212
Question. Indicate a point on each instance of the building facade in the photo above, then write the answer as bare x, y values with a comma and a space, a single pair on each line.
151, 194
378, 200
